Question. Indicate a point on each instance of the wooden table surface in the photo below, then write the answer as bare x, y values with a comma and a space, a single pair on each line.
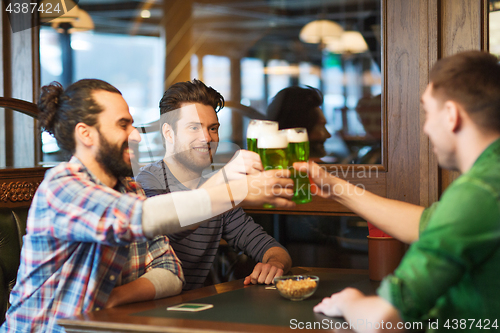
143, 316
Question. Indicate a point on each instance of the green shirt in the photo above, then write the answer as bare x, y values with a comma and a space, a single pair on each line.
452, 272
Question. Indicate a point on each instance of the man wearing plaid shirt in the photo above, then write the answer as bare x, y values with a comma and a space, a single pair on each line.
93, 240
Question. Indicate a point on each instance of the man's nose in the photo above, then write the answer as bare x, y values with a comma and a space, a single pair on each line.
327, 134
206, 136
134, 135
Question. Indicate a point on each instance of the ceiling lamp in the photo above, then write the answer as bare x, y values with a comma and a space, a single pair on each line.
349, 42
78, 19
320, 32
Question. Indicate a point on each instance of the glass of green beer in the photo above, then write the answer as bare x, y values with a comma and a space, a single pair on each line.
272, 149
255, 128
298, 151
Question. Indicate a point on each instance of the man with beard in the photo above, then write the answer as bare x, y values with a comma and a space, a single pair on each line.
448, 279
190, 132
93, 240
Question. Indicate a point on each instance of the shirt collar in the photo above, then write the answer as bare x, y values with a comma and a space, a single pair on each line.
492, 149
122, 185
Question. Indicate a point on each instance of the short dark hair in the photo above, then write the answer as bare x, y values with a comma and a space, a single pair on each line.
187, 92
471, 79
295, 107
61, 110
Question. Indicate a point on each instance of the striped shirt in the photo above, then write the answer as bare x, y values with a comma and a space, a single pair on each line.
83, 238
197, 249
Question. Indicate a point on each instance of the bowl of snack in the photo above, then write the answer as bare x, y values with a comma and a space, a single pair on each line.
296, 287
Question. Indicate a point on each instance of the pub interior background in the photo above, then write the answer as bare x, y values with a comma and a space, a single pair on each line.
249, 50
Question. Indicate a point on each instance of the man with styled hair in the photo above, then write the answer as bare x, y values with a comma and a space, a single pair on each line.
190, 132
92, 239
448, 279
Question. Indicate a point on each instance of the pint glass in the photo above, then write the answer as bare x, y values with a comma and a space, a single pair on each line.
298, 151
255, 128
272, 149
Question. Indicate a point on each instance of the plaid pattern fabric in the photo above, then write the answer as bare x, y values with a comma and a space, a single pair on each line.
83, 239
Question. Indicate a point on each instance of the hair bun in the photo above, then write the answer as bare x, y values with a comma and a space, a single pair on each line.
48, 104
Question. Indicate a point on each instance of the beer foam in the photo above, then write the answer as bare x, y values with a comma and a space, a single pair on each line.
254, 130
293, 136
272, 141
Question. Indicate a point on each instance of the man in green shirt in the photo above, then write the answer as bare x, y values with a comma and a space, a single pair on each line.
448, 279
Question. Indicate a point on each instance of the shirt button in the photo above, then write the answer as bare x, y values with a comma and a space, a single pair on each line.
112, 277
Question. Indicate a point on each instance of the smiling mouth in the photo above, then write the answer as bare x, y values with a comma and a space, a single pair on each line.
129, 152
202, 149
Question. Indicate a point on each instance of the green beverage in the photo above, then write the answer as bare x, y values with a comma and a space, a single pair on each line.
252, 144
273, 158
298, 151
256, 128
273, 152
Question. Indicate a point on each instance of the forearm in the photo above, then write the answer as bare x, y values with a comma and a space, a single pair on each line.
278, 257
173, 212
397, 218
136, 291
157, 283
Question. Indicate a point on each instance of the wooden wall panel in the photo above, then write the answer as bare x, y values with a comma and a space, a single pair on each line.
406, 77
463, 27
429, 165
178, 35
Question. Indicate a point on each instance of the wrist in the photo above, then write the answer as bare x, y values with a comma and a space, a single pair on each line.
276, 263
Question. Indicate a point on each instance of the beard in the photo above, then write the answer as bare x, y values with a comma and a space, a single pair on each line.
111, 158
189, 160
317, 149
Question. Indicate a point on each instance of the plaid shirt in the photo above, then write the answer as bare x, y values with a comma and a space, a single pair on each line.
83, 239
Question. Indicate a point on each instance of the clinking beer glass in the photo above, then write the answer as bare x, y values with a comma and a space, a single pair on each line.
255, 128
272, 149
298, 151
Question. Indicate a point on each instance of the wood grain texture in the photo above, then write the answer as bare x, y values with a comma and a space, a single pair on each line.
179, 42
403, 87
463, 25
429, 11
433, 56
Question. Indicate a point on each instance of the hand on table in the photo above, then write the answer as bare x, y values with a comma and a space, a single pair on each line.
332, 306
263, 274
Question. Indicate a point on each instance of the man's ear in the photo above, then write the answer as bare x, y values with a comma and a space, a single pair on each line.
85, 134
168, 133
454, 115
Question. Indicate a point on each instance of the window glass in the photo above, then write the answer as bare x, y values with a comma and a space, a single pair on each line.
133, 64
494, 8
248, 50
